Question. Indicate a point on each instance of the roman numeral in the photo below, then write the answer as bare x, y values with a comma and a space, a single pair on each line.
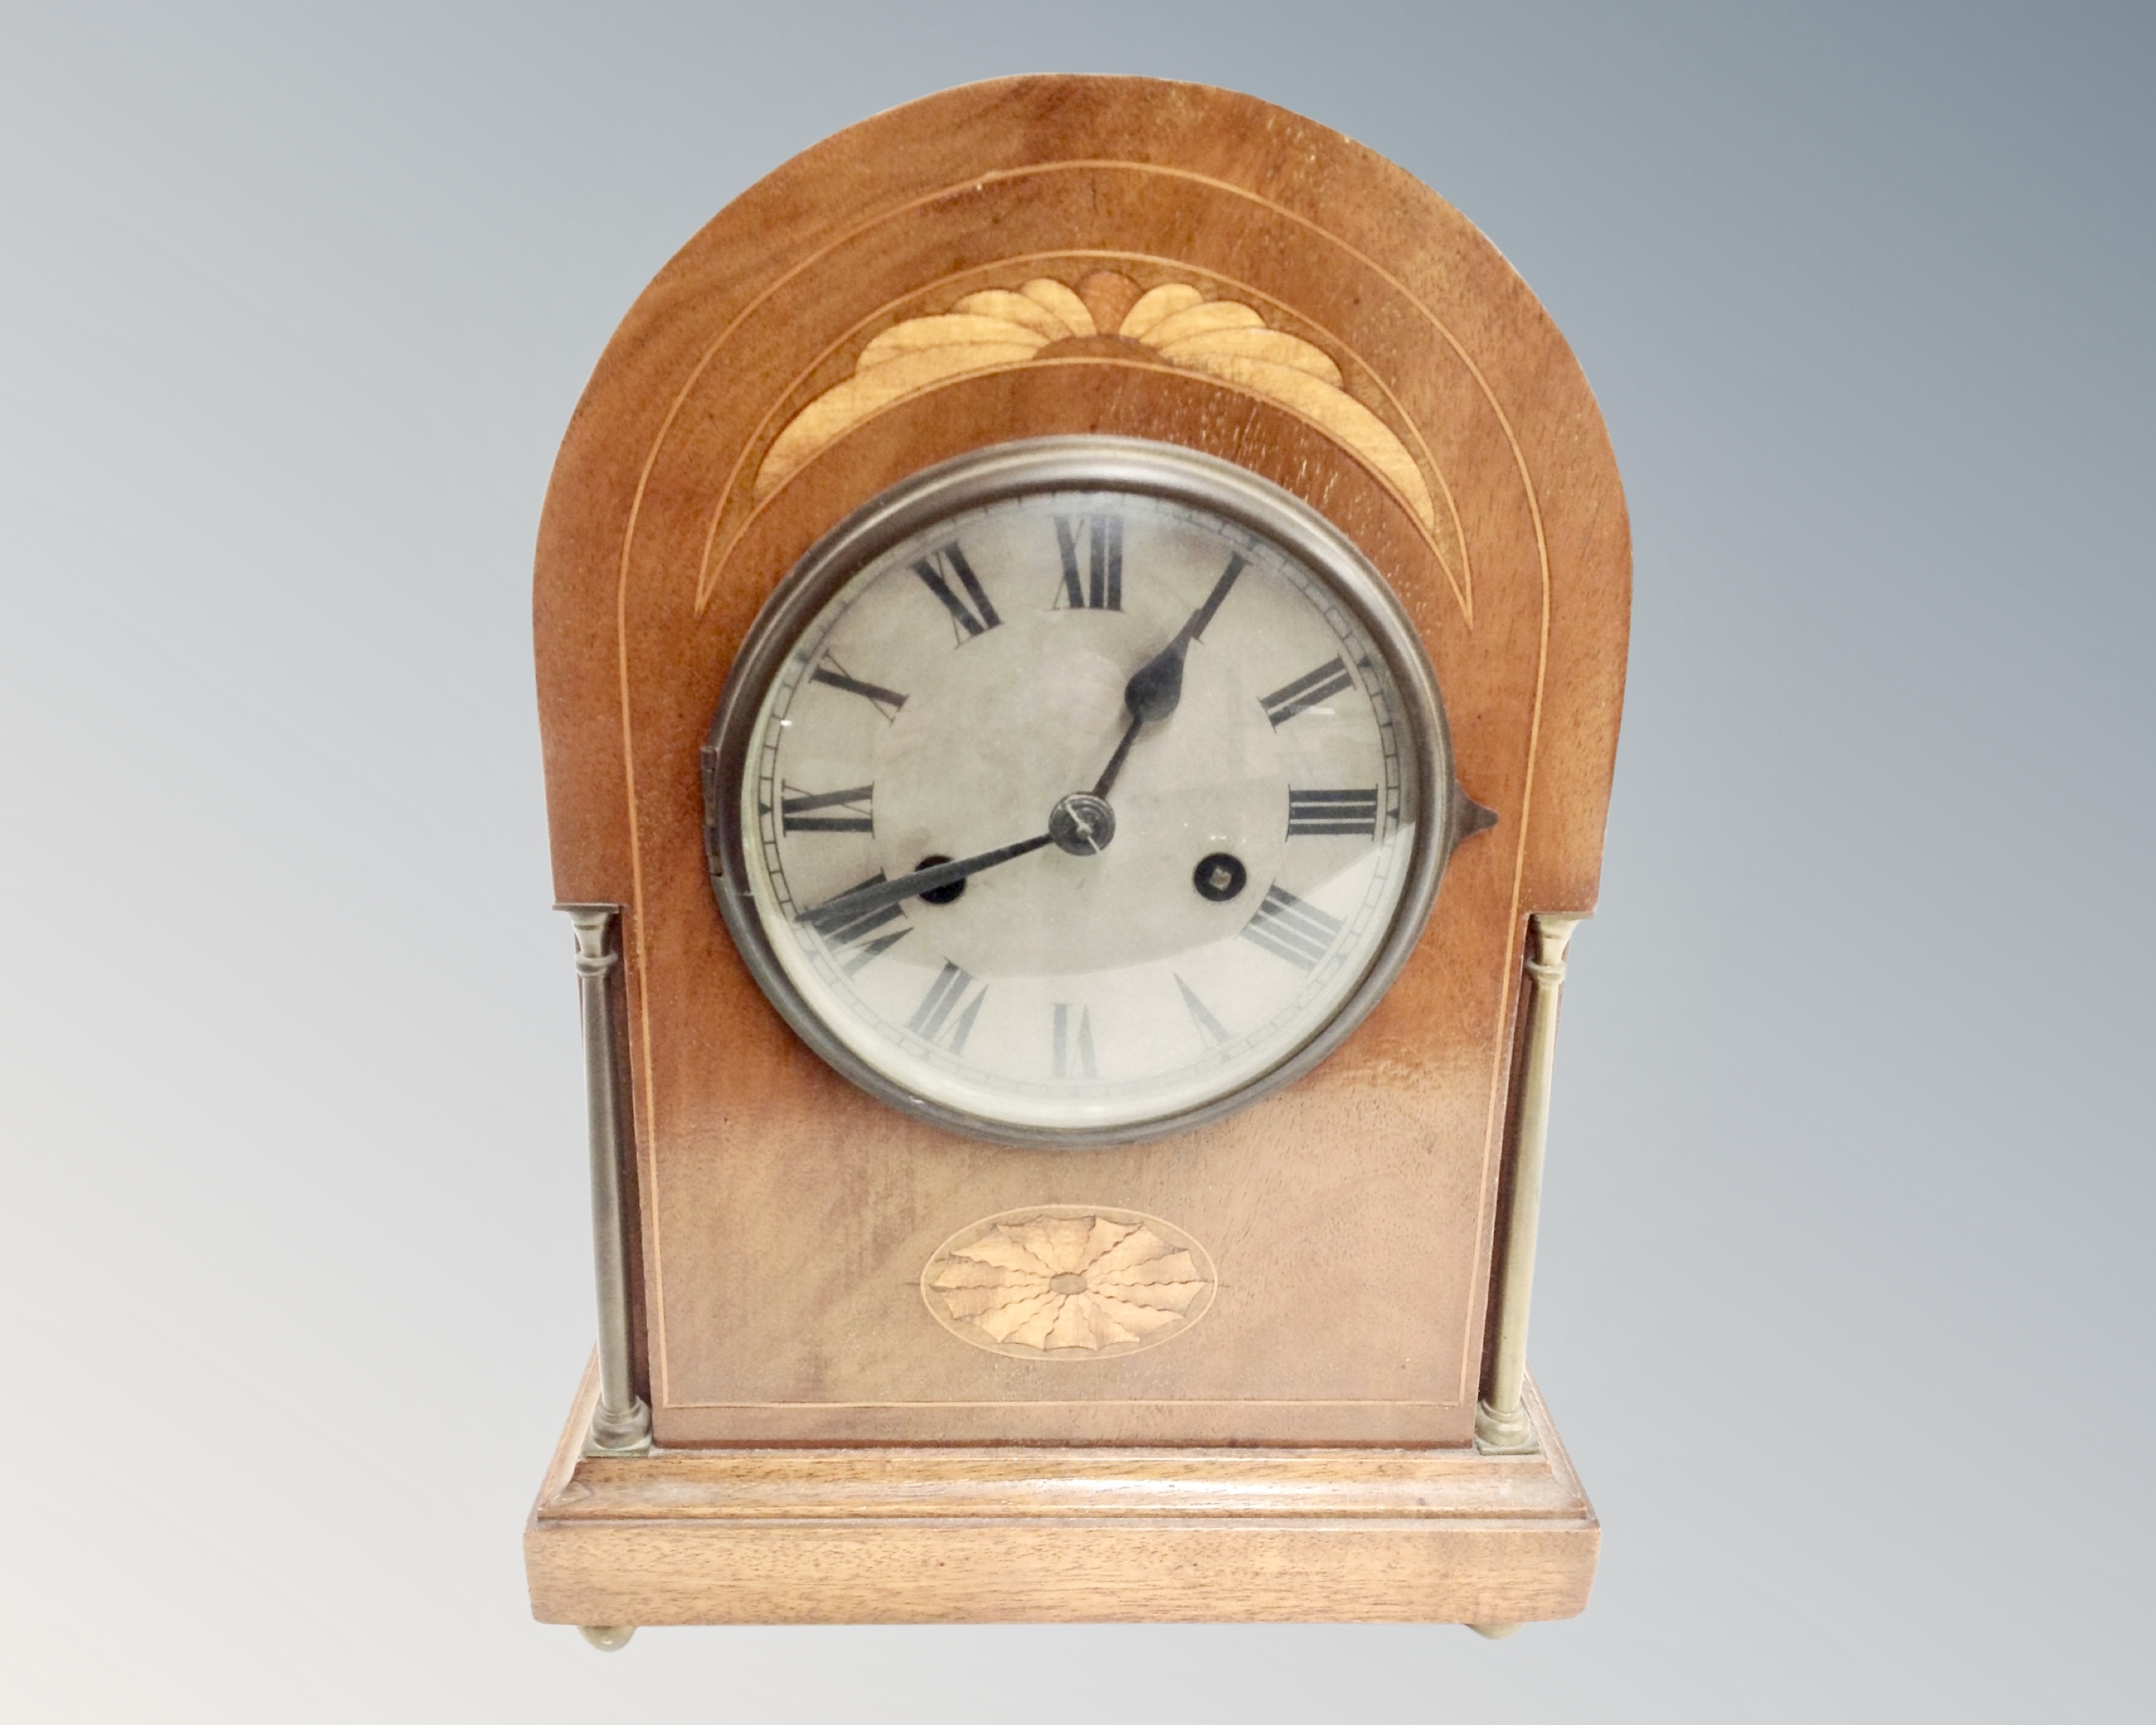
1316, 814
799, 812
1291, 928
856, 942
1069, 1048
1210, 1030
834, 674
1306, 692
1102, 588
970, 615
930, 1016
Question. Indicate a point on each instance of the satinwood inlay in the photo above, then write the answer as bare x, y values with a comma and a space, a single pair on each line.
1067, 1283
1105, 316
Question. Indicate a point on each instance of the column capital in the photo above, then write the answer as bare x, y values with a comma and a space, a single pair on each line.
1549, 934
593, 925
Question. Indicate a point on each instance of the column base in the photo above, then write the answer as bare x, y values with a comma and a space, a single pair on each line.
1502, 1434
628, 1434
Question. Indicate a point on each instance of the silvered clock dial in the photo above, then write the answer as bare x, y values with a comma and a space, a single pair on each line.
1078, 791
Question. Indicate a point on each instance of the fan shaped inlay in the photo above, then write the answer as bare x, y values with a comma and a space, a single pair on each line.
1173, 323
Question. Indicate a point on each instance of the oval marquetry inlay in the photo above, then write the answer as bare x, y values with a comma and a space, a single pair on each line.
1067, 1282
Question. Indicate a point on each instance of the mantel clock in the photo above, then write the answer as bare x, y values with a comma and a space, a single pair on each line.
1081, 628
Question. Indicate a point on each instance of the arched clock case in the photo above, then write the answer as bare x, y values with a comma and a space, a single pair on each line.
1081, 628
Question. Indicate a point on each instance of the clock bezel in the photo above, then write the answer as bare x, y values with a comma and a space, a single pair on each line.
1017, 469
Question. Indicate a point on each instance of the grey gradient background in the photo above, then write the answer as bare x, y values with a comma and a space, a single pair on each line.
1844, 1299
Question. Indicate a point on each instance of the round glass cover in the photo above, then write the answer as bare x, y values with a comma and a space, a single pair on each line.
1078, 792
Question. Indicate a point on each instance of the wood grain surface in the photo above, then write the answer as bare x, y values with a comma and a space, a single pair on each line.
1065, 255
922, 1534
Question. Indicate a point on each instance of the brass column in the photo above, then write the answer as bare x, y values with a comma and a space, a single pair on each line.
1501, 1422
621, 1424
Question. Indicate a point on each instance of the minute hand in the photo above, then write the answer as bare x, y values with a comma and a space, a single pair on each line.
837, 912
1156, 687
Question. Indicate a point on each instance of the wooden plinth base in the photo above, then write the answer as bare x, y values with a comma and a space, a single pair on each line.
1034, 1534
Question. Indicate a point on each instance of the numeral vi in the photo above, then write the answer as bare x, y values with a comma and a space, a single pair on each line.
1072, 1044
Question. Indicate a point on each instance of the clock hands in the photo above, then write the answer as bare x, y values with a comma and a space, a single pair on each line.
836, 912
1156, 687
1081, 824
1199, 617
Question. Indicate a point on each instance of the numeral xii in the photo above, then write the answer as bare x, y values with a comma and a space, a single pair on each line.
1102, 587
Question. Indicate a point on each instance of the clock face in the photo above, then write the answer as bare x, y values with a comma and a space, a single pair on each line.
1078, 792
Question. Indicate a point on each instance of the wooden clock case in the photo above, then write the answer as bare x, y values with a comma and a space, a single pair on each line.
1024, 258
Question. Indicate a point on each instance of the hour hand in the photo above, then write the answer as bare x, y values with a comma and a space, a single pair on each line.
836, 912
1155, 689
1152, 694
